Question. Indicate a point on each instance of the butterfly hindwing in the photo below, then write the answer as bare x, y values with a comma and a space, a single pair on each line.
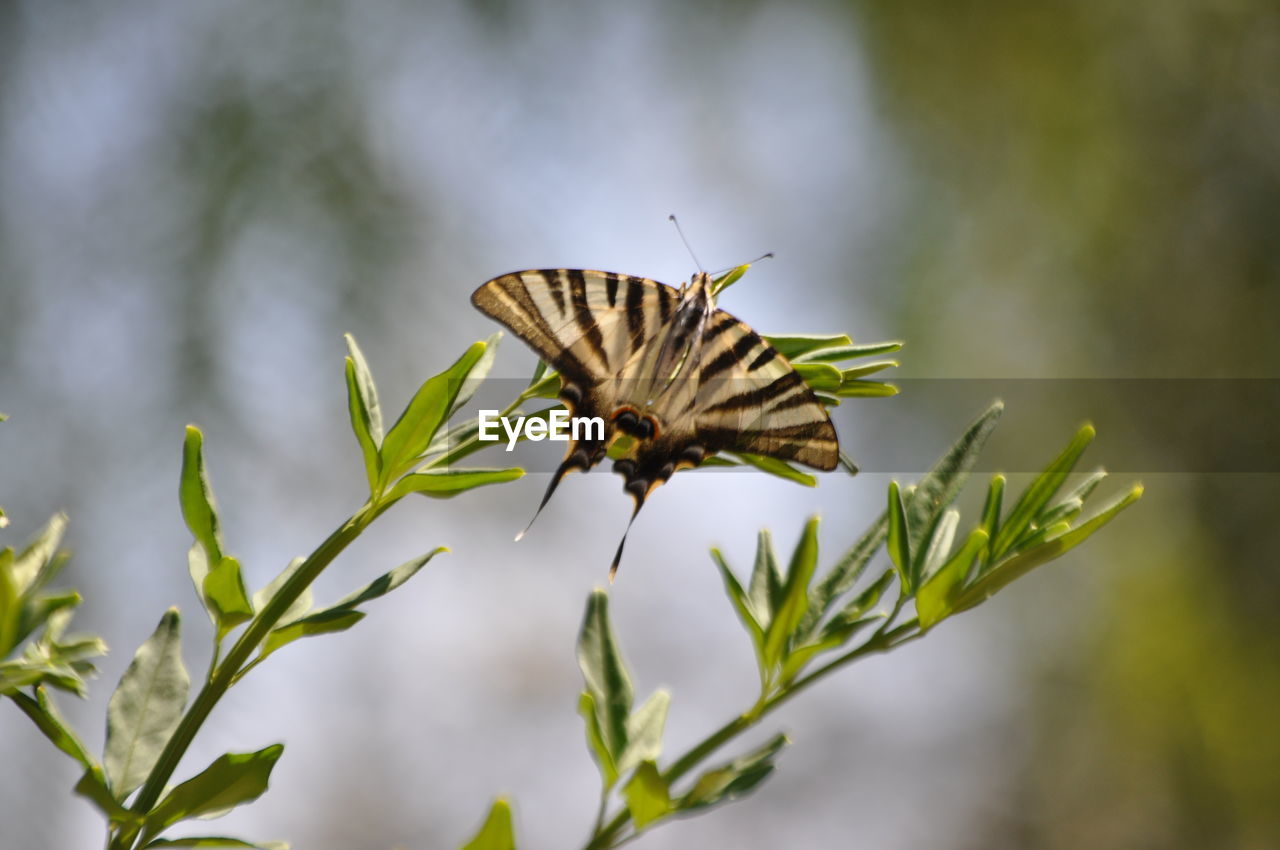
751, 400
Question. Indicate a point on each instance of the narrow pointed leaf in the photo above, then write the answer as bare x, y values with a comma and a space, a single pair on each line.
841, 578
780, 468
938, 595
733, 780
29, 565
322, 623
383, 584
93, 787
991, 516
233, 779
794, 345
595, 740
866, 389
897, 537
45, 715
741, 603
938, 545
424, 415
478, 372
1004, 573
848, 352
647, 795
196, 496
852, 374
362, 418
447, 483
1041, 490
605, 673
497, 832
729, 278
764, 591
146, 707
298, 607
795, 595
939, 488
820, 376
644, 731
218, 841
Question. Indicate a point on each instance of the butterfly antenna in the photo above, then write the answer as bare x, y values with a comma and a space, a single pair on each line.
767, 256
568, 464
672, 219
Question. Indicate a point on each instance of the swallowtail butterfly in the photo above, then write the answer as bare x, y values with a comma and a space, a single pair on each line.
681, 378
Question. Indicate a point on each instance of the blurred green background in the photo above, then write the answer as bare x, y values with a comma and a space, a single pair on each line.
197, 199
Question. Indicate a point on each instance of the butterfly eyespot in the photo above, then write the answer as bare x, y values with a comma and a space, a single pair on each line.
626, 420
645, 428
693, 454
572, 394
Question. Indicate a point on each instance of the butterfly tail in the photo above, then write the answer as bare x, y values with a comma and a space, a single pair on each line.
575, 459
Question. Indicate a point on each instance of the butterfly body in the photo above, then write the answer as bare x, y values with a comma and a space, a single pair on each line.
681, 378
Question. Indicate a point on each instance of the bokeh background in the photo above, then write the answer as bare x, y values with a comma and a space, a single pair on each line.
198, 199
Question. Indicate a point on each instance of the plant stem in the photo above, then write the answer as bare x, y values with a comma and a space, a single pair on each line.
881, 641
226, 672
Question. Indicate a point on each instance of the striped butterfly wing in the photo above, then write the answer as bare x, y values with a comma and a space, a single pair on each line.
751, 400
588, 325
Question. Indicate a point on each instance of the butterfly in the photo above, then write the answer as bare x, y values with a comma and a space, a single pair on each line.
671, 374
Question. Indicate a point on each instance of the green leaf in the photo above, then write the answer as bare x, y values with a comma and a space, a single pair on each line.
837, 353
1042, 489
45, 715
595, 740
733, 780
938, 595
233, 779
93, 787
366, 414
991, 515
938, 545
728, 279
30, 569
298, 607
852, 374
780, 468
647, 795
322, 623
795, 595
793, 346
740, 603
836, 633
764, 591
866, 389
644, 731
497, 832
447, 483
820, 376
1019, 565
412, 433
899, 552
841, 578
196, 496
146, 707
225, 594
383, 584
943, 483
605, 674
475, 377
10, 604
218, 841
